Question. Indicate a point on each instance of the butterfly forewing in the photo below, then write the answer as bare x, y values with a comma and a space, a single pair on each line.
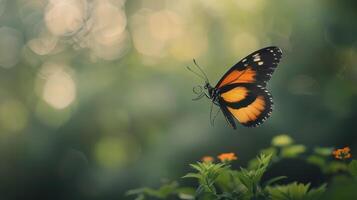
255, 68
242, 92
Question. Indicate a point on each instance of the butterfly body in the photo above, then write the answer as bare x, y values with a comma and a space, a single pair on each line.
241, 93
213, 93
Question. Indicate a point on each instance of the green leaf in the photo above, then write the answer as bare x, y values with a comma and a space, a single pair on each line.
271, 150
199, 191
254, 163
282, 140
186, 193
207, 174
250, 179
192, 175
167, 189
352, 168
317, 193
273, 180
295, 191
292, 151
197, 166
323, 151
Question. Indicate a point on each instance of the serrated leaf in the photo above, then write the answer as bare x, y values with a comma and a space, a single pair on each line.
298, 190
196, 167
295, 191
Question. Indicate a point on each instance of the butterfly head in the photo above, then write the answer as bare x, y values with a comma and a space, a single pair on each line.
210, 89
199, 89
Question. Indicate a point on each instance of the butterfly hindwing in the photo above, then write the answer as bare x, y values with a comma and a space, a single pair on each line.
255, 68
250, 104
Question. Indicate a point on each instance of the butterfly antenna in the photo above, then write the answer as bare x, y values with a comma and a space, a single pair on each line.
199, 68
197, 74
210, 114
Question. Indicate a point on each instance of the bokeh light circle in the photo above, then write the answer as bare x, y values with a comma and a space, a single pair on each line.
65, 17
59, 89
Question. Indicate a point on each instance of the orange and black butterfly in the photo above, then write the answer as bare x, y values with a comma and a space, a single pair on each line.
241, 92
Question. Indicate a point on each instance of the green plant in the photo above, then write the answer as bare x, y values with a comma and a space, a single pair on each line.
219, 181
207, 174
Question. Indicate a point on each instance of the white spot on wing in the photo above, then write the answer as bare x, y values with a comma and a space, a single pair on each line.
256, 59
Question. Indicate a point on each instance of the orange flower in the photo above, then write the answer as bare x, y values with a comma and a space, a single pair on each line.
207, 159
224, 157
342, 154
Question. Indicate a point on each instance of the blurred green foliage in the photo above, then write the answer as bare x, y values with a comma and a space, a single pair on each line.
95, 98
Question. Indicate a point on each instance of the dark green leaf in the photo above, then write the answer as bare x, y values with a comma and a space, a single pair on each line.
352, 168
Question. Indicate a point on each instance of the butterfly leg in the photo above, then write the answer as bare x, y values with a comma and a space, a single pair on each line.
228, 117
215, 116
199, 97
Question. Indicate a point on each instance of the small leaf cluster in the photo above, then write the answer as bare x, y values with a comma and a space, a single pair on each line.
296, 191
219, 181
207, 174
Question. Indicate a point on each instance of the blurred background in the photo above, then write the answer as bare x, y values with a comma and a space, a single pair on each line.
95, 98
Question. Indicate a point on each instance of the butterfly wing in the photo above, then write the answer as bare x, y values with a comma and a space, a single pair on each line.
250, 104
242, 88
255, 68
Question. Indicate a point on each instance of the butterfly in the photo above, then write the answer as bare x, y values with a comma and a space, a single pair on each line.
241, 93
